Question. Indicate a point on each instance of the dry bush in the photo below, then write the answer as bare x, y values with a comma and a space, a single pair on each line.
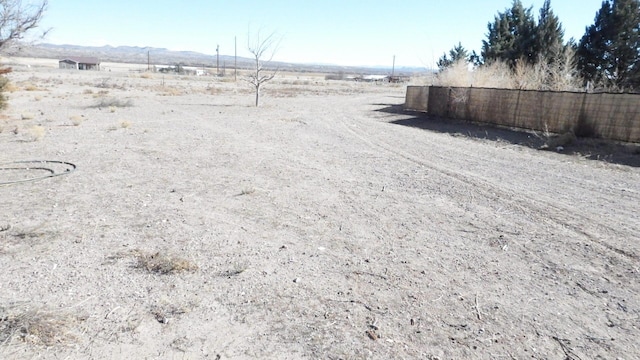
564, 74
27, 116
560, 74
163, 263
227, 79
104, 84
460, 74
457, 75
31, 87
112, 103
36, 133
87, 91
294, 82
247, 191
495, 75
125, 124
210, 90
37, 98
155, 262
527, 76
146, 75
77, 120
168, 91
10, 87
37, 327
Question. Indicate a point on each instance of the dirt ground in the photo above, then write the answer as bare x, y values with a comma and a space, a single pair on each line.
324, 224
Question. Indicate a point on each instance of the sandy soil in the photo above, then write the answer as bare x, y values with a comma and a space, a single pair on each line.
324, 224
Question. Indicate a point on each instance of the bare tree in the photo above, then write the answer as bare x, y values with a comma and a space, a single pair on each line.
16, 19
261, 49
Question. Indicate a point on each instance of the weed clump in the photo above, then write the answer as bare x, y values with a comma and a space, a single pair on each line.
37, 326
4, 86
110, 103
36, 133
163, 263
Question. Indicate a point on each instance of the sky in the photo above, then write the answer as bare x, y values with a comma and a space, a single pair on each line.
339, 32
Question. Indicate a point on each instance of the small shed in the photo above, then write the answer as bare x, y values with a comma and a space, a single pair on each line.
80, 63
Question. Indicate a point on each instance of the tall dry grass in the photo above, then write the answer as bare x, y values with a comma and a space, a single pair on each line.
461, 74
559, 74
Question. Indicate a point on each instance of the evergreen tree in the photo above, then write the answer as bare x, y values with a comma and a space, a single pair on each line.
609, 51
512, 36
457, 53
549, 35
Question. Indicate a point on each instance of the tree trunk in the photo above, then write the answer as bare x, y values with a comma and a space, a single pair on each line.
257, 95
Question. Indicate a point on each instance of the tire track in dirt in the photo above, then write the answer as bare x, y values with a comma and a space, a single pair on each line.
543, 208
614, 281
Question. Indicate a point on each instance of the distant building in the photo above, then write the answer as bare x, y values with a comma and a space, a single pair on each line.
80, 63
179, 69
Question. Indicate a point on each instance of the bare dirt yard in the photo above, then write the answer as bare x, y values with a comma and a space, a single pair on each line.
325, 224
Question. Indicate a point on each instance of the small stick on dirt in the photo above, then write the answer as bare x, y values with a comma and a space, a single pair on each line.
372, 334
111, 312
570, 355
478, 308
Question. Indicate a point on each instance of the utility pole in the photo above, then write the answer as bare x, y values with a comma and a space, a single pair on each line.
217, 60
235, 61
393, 67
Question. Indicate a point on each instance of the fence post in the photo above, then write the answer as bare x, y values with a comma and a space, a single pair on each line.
516, 110
449, 103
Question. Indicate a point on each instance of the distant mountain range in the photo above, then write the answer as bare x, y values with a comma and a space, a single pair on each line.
161, 56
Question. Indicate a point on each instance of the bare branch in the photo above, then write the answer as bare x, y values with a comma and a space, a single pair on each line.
260, 48
17, 19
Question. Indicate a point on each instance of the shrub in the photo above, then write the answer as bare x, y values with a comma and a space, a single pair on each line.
112, 103
36, 133
4, 86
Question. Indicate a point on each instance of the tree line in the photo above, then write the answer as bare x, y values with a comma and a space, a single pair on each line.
607, 56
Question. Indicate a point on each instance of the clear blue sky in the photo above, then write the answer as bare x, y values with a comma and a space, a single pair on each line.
343, 32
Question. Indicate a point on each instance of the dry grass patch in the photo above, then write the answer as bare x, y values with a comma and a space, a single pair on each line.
27, 116
13, 238
36, 133
166, 310
39, 327
247, 191
31, 87
101, 93
112, 103
159, 262
237, 269
77, 120
164, 90
163, 263
10, 87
